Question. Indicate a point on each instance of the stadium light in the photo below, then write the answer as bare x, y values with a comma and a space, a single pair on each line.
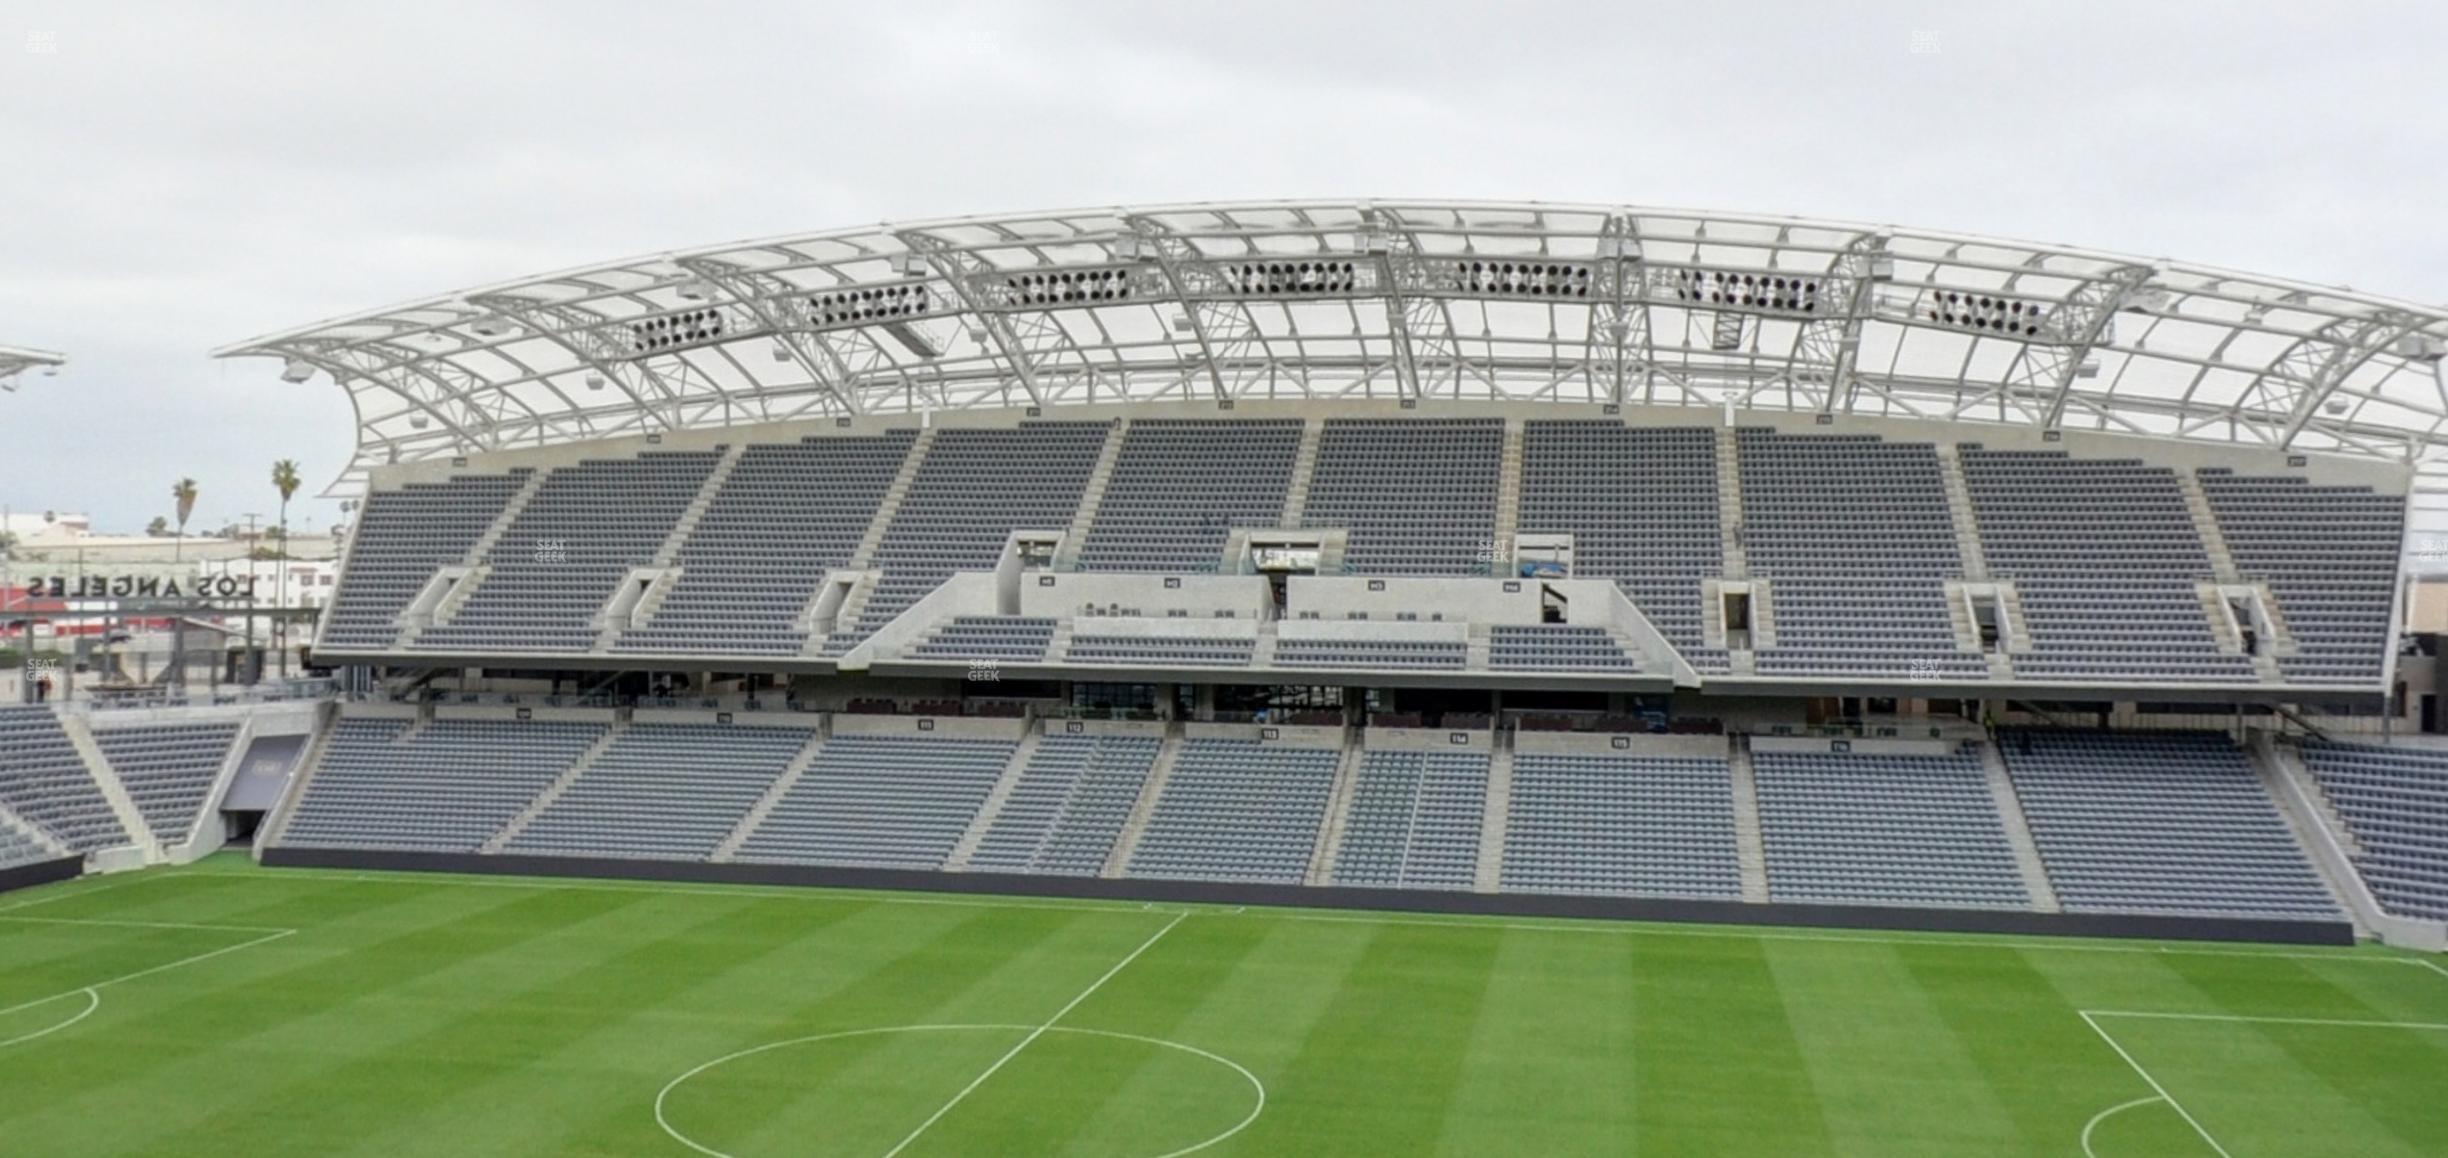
296, 370
594, 381
909, 264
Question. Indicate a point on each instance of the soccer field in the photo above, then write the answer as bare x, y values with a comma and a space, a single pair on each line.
226, 1009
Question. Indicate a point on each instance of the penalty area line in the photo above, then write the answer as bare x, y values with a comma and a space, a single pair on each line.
122, 979
2153, 1083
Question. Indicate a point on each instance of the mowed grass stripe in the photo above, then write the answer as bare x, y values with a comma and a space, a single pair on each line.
1722, 1070
2400, 1075
2012, 1026
1559, 1015
1110, 1096
274, 1026
1377, 1071
864, 1094
1873, 1041
534, 1018
540, 994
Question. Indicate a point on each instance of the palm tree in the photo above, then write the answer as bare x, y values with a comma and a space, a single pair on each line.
185, 493
284, 480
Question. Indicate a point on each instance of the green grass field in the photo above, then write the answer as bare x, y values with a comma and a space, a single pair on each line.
226, 1009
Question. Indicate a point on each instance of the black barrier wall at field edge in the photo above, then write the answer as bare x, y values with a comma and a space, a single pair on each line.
2157, 928
26, 876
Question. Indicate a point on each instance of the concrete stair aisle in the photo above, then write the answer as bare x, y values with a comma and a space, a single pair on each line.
2206, 524
853, 605
198, 843
1495, 817
2223, 626
1750, 849
2289, 763
1960, 510
996, 798
667, 554
553, 791
1338, 814
2318, 827
1508, 498
1960, 622
1763, 614
1092, 497
1304, 467
310, 761
1262, 653
1477, 649
1736, 563
1058, 645
2018, 830
773, 795
10, 821
1149, 793
863, 555
492, 537
97, 766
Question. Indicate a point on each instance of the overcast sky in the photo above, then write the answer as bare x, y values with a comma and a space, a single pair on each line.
185, 175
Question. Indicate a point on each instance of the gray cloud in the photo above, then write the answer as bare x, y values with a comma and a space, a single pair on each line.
183, 177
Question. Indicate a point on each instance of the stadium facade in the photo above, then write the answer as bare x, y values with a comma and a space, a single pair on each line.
1484, 557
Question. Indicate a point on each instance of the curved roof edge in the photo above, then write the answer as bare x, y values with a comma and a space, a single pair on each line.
1390, 298
16, 360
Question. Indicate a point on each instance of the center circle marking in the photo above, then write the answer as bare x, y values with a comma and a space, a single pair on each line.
1257, 1088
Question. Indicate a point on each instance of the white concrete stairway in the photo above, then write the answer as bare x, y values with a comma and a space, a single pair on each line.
993, 807
1478, 647
97, 766
864, 554
1750, 849
492, 537
1304, 467
853, 605
1338, 815
1763, 614
1508, 497
773, 795
1262, 653
553, 791
1736, 562
9, 820
2206, 524
309, 762
1961, 512
2314, 820
1495, 816
1092, 496
474, 560
1149, 793
2018, 831
232, 761
667, 554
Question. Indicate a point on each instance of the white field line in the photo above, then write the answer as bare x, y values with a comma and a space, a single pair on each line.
112, 924
93, 1001
2347, 1023
2106, 1114
1034, 1034
72, 893
2161, 1090
141, 973
1619, 929
662, 1100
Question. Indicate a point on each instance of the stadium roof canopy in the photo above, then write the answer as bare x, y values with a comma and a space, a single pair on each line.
16, 360
1413, 299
